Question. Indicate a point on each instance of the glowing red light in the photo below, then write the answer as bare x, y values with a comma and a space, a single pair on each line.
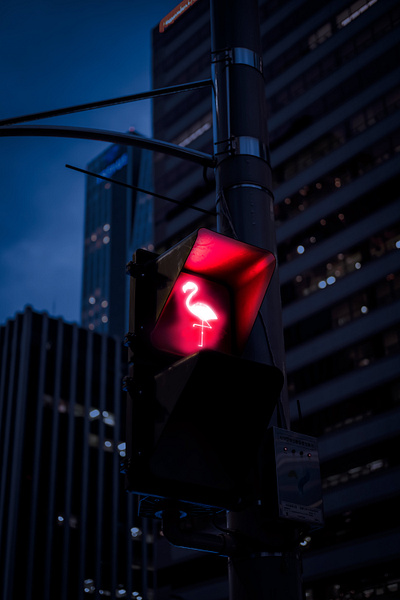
202, 311
215, 299
195, 316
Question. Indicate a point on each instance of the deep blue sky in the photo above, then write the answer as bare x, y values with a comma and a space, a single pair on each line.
54, 54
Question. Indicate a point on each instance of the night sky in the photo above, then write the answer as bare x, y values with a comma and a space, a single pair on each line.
56, 54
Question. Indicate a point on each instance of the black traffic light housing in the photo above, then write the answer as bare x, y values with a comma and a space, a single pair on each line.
164, 304
207, 414
197, 412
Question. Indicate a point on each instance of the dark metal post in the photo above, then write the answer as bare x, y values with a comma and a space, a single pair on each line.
270, 568
243, 172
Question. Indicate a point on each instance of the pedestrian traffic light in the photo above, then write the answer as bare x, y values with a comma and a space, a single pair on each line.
204, 293
197, 411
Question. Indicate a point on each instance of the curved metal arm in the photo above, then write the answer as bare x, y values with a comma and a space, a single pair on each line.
113, 137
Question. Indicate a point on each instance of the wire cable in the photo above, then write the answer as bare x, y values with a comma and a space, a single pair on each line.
225, 212
138, 189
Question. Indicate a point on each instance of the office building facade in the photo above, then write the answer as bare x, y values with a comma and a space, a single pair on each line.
332, 85
117, 221
180, 55
68, 529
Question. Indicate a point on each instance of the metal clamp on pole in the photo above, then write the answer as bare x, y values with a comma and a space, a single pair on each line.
238, 56
245, 56
251, 146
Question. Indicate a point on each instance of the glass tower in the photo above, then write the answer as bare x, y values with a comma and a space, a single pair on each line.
117, 221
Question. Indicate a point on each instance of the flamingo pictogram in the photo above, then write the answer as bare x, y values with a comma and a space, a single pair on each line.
199, 309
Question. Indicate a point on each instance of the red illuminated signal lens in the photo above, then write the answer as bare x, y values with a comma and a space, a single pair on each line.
208, 269
196, 316
203, 312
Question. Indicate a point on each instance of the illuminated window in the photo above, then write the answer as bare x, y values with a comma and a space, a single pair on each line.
198, 129
320, 36
112, 168
135, 532
354, 473
94, 414
88, 586
352, 12
108, 418
122, 449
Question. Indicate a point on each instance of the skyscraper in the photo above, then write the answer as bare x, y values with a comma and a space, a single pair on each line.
117, 220
67, 527
333, 98
181, 54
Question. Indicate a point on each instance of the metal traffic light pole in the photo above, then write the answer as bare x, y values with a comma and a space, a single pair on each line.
270, 568
243, 172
